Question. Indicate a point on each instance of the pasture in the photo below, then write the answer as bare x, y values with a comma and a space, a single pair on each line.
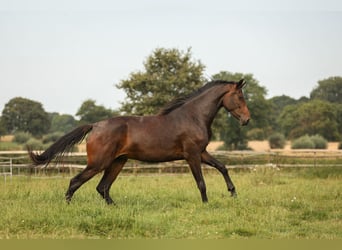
287, 203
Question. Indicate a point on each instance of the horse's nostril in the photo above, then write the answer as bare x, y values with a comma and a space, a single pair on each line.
245, 122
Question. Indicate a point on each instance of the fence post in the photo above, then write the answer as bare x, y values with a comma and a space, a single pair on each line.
11, 167
135, 170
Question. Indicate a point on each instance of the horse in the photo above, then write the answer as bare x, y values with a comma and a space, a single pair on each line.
180, 131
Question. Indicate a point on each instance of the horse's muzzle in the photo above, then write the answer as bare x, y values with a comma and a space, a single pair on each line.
244, 122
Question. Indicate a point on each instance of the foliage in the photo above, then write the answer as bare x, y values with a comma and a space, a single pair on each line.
22, 114
338, 108
34, 144
329, 89
89, 112
277, 140
3, 129
62, 123
271, 204
234, 135
168, 73
256, 134
52, 137
319, 141
278, 103
309, 142
303, 142
314, 117
21, 137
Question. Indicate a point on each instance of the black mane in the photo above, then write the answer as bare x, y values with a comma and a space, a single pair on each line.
176, 103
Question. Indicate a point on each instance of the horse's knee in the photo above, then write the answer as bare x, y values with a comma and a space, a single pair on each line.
201, 186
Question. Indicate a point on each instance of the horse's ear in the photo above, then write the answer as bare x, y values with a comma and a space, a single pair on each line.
241, 84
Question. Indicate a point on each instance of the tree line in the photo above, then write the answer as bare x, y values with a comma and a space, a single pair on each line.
170, 73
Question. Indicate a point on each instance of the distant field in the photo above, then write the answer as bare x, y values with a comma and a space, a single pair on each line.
303, 203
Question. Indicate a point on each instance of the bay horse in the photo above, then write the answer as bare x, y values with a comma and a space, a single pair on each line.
180, 131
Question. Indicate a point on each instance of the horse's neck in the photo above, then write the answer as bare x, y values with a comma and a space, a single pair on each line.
205, 106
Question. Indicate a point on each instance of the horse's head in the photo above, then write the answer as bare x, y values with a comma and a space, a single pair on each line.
234, 102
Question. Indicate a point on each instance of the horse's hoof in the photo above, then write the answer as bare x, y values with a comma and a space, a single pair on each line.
233, 194
109, 201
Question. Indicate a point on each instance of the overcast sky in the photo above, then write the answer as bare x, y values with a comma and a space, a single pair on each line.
63, 52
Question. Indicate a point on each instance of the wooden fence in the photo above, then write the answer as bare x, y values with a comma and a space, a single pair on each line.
17, 162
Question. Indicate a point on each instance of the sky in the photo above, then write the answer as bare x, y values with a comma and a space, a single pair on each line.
61, 53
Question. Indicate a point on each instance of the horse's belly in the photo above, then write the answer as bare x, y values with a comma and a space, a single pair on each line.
154, 153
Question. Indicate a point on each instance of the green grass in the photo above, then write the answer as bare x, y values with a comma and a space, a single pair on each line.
4, 146
277, 204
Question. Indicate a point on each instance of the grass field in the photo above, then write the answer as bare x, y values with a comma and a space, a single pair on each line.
271, 203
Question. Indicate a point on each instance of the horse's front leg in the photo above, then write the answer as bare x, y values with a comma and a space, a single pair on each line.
211, 161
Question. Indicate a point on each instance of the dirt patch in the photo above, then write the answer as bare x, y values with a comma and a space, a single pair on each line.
260, 146
82, 147
6, 138
214, 145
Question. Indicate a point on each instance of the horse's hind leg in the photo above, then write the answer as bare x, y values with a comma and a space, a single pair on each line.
109, 177
79, 180
195, 166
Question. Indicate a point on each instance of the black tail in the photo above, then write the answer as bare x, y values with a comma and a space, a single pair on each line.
61, 146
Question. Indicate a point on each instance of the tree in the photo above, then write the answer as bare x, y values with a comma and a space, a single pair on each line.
89, 112
62, 123
314, 117
21, 114
329, 89
235, 136
3, 130
278, 103
338, 108
168, 73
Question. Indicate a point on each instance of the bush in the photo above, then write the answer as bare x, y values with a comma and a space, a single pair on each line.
21, 137
319, 141
277, 140
256, 134
303, 142
310, 142
53, 137
34, 144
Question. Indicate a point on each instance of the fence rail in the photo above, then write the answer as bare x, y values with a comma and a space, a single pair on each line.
18, 163
6, 165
